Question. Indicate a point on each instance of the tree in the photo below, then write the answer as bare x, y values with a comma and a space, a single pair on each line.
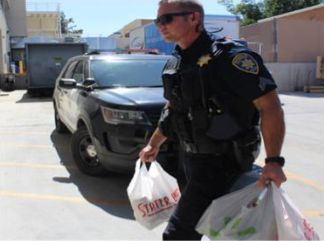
251, 10
276, 7
67, 27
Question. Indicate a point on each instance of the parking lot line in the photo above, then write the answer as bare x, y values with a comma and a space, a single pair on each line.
295, 177
34, 146
312, 213
35, 165
304, 180
63, 198
94, 200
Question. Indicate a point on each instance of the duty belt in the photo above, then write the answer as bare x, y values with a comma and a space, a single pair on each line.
206, 148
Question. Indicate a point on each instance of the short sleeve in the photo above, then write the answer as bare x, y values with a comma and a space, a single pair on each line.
245, 74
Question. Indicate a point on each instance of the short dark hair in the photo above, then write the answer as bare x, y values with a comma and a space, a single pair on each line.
188, 5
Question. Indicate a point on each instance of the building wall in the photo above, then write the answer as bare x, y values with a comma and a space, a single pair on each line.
122, 43
293, 76
262, 34
133, 25
316, 14
137, 38
16, 18
4, 43
43, 24
300, 41
299, 37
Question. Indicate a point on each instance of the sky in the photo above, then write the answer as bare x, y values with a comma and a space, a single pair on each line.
104, 17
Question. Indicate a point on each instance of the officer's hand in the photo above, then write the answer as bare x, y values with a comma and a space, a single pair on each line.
149, 153
272, 171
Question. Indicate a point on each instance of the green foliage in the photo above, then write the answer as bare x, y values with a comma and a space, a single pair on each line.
276, 7
67, 27
252, 10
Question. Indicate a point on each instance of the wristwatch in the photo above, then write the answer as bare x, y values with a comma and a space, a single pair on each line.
278, 159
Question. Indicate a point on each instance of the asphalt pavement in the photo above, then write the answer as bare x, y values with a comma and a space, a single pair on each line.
43, 196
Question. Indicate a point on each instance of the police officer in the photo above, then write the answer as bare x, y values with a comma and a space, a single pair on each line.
218, 92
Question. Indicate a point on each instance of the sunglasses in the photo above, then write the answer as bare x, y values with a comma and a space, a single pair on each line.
168, 18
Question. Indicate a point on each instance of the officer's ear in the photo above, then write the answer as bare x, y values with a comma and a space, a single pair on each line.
195, 17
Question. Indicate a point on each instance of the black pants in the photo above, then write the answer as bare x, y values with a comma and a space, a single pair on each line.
208, 177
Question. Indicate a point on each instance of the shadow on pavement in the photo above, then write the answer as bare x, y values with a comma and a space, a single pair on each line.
41, 97
108, 193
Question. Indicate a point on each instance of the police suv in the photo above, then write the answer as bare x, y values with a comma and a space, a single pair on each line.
111, 103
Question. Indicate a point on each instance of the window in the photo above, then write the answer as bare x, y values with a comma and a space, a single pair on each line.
78, 74
69, 70
128, 73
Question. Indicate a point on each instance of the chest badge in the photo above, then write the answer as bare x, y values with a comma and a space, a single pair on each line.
245, 62
203, 60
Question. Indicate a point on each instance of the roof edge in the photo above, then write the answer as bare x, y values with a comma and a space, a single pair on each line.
292, 13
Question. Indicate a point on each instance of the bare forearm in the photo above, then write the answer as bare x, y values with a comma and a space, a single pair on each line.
273, 131
272, 123
157, 138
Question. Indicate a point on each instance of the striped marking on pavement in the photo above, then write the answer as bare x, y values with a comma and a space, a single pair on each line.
11, 194
289, 175
62, 198
304, 180
295, 177
313, 213
35, 165
33, 146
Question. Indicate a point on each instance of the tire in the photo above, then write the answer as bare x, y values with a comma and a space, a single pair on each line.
85, 155
60, 127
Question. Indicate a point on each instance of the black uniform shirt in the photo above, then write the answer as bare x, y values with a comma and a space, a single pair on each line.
237, 70
191, 55
244, 72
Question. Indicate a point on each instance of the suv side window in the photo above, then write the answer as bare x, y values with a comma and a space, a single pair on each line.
78, 73
69, 70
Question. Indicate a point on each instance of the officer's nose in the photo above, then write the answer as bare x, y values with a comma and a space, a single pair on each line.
161, 27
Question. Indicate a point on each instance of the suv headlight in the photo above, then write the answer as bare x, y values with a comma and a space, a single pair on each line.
113, 116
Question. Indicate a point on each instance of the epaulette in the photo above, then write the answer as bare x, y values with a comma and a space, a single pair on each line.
220, 45
172, 65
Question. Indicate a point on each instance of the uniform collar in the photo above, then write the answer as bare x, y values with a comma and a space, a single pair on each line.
199, 47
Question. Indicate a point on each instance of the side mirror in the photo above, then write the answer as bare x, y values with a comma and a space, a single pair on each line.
89, 81
68, 83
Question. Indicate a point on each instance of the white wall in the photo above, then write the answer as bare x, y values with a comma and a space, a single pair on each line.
293, 76
122, 43
16, 18
230, 25
137, 38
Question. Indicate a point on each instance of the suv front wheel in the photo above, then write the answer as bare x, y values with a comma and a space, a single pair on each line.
84, 153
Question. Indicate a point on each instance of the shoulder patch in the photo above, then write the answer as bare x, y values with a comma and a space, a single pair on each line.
245, 62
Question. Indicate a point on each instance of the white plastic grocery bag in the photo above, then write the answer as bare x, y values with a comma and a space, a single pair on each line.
291, 224
255, 214
153, 194
241, 215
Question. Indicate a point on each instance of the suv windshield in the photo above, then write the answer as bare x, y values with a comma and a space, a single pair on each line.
127, 73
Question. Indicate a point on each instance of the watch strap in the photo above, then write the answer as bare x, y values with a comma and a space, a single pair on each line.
278, 159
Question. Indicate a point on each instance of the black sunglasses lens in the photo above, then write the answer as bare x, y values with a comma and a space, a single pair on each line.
163, 20
166, 19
